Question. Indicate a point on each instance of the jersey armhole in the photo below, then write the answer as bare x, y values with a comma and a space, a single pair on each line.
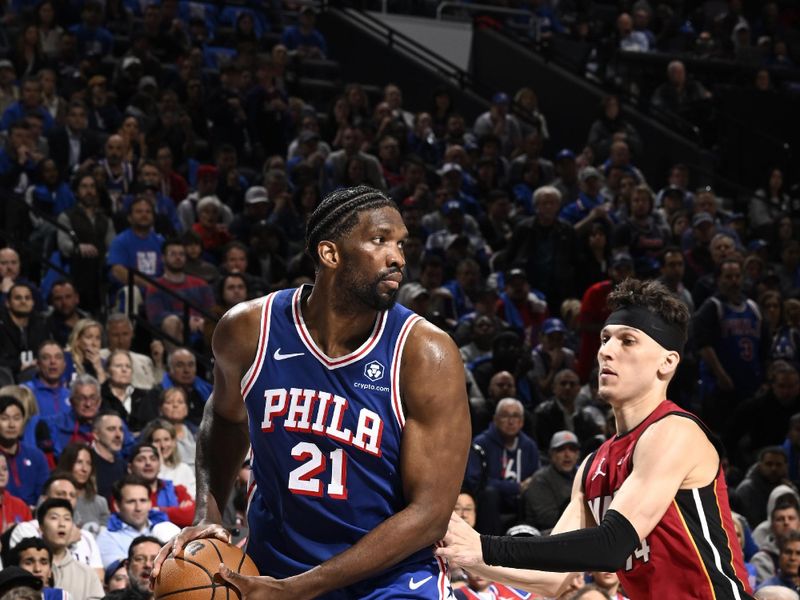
253, 371
397, 358
587, 467
687, 415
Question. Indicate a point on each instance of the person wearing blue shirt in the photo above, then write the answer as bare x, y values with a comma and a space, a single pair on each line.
76, 424
138, 247
91, 36
304, 38
48, 387
590, 205
30, 101
52, 195
27, 465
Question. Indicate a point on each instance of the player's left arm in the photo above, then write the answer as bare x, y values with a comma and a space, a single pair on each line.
433, 458
673, 453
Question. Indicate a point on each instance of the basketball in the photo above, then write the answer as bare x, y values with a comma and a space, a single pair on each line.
193, 574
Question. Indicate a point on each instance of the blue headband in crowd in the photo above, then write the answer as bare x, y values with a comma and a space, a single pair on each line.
668, 335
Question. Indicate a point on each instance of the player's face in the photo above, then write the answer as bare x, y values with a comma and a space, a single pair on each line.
789, 559
37, 563
784, 521
628, 362
372, 260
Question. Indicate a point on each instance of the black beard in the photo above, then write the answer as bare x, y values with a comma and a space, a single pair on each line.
358, 291
20, 315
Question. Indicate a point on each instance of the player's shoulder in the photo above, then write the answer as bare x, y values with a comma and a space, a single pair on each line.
241, 323
426, 338
673, 434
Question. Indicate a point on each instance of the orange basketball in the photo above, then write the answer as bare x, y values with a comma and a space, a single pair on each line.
194, 573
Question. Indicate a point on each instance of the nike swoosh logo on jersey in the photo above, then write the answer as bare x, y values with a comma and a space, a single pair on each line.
279, 356
413, 585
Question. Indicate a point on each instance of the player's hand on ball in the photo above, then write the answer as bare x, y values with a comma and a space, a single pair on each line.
462, 544
256, 588
187, 534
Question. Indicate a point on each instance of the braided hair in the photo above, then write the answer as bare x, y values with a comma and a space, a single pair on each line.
337, 215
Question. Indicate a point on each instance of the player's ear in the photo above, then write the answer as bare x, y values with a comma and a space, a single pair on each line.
669, 364
328, 253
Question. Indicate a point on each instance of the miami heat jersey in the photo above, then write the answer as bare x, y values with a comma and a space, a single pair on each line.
693, 551
325, 436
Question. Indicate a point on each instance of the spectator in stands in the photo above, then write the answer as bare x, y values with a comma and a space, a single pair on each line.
511, 458
174, 408
23, 330
165, 309
393, 96
77, 423
769, 203
9, 91
108, 433
761, 420
18, 161
64, 299
594, 312
172, 499
783, 513
138, 247
207, 182
147, 371
677, 95
13, 509
544, 246
566, 173
788, 562
590, 205
751, 495
141, 556
551, 486
562, 413
673, 268
788, 271
643, 235
723, 325
611, 127
182, 372
162, 434
55, 518
465, 286
594, 255
30, 102
173, 184
119, 172
304, 38
90, 508
73, 144
550, 356
49, 385
721, 248
336, 164
526, 103
499, 122
150, 181
135, 517
608, 583
93, 234
117, 392
83, 350
631, 40
10, 273
520, 307
92, 36
209, 226
35, 556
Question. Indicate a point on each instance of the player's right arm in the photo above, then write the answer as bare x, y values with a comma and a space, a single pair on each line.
223, 438
575, 516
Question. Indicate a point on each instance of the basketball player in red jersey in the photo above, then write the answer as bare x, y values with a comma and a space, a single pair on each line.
651, 503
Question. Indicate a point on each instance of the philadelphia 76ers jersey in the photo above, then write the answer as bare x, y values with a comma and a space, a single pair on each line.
325, 436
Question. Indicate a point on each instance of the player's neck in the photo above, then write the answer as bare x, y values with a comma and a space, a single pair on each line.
335, 330
629, 413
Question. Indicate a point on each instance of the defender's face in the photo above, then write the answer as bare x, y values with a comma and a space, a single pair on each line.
628, 361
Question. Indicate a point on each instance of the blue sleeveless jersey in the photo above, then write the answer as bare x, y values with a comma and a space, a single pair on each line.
325, 436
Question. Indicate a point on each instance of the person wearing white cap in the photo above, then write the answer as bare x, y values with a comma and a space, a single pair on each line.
551, 486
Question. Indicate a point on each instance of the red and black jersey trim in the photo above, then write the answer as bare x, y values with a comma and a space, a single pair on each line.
699, 511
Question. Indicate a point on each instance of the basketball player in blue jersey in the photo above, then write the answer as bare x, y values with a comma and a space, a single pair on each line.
357, 415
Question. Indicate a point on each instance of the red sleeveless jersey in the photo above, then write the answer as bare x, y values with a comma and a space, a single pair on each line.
693, 551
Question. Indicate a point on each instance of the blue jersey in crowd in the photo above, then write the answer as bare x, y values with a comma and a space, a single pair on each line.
325, 436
